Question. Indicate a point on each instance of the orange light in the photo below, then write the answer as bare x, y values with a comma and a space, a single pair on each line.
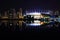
41, 16
41, 22
21, 17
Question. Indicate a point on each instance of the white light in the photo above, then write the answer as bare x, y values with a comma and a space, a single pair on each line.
34, 13
47, 13
10, 24
24, 15
37, 17
34, 24
36, 21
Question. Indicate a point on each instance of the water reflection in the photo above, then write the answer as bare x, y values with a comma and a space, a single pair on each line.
20, 22
20, 25
34, 23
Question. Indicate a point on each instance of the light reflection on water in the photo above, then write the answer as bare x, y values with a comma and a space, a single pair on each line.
35, 23
19, 25
20, 22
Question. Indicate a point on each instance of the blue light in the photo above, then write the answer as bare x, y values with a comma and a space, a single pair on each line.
33, 24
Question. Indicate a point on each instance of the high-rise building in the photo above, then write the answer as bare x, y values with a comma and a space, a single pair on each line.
14, 14
5, 16
10, 14
20, 13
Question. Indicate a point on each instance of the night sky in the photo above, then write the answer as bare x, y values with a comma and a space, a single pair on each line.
48, 4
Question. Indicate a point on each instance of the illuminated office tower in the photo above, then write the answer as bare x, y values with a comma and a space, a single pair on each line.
20, 13
10, 14
5, 15
14, 14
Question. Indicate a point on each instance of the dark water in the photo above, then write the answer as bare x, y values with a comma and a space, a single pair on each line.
28, 26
